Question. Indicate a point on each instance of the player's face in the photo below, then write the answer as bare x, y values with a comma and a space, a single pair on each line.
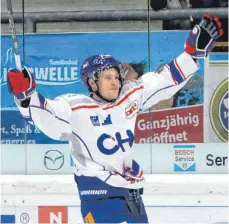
109, 83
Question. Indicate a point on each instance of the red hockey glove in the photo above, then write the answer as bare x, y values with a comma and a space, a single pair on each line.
21, 84
203, 37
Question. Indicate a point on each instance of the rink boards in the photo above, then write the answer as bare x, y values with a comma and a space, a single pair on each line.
168, 199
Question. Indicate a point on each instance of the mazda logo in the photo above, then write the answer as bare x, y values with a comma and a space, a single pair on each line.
53, 160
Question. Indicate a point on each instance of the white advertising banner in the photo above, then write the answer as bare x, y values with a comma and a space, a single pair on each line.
190, 158
216, 98
74, 215
26, 214
48, 159
13, 159
189, 214
7, 214
156, 214
211, 158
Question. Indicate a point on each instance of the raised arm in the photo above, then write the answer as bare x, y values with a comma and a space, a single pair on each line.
171, 77
165, 82
50, 116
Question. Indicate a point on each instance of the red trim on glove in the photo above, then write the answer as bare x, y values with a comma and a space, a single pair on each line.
188, 48
216, 18
207, 15
221, 32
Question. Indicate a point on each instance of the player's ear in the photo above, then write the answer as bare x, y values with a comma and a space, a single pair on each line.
93, 85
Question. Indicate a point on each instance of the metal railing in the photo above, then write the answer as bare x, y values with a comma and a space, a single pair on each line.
32, 18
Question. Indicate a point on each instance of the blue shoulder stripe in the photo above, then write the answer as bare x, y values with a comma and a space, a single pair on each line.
175, 72
42, 101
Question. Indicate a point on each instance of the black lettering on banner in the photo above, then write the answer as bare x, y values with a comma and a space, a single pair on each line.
209, 158
218, 161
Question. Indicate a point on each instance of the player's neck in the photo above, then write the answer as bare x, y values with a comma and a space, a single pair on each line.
97, 98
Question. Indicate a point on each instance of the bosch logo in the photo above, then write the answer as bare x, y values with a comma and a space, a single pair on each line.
132, 109
184, 158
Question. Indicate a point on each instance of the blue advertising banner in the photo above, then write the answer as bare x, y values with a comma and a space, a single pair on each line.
55, 60
15, 130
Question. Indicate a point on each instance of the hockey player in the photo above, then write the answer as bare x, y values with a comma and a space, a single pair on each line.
100, 127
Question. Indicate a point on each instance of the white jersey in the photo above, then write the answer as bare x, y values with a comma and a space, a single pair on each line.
102, 134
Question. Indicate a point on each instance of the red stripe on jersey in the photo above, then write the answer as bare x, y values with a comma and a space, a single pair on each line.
128, 94
85, 107
124, 98
108, 107
178, 67
171, 74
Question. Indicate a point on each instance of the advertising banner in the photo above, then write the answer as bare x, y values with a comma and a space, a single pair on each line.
176, 125
16, 130
13, 159
52, 214
216, 98
71, 214
208, 158
55, 59
26, 214
57, 69
7, 214
74, 215
48, 159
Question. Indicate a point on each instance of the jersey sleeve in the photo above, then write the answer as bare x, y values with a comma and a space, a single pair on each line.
50, 116
165, 82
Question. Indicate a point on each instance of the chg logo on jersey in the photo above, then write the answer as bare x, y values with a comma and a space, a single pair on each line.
132, 109
184, 158
109, 145
219, 111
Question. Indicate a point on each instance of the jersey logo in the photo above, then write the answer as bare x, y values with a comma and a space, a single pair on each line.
132, 109
95, 120
107, 121
117, 142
